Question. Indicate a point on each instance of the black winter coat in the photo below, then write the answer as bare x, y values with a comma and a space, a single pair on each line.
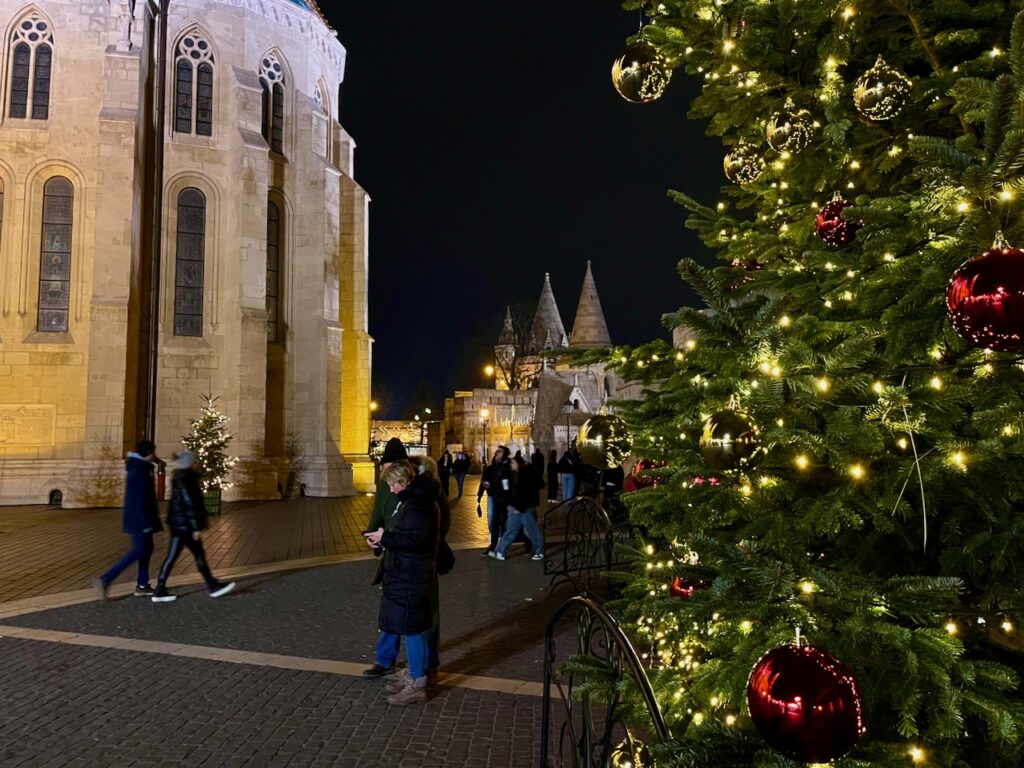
525, 492
410, 561
140, 513
187, 512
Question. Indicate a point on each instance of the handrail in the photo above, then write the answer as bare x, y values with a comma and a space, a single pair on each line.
589, 749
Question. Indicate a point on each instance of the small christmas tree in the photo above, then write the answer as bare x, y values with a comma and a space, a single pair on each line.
209, 440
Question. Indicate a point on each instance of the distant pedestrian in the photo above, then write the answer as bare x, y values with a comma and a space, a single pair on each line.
410, 575
444, 472
568, 466
524, 498
459, 468
552, 476
537, 459
495, 481
140, 519
186, 519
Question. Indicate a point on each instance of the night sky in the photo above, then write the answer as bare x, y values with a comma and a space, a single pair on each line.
495, 149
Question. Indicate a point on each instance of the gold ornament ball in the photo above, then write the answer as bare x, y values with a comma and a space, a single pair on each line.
743, 165
640, 74
882, 92
603, 441
790, 130
729, 440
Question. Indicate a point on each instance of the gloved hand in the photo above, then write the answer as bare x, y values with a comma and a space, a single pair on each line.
479, 512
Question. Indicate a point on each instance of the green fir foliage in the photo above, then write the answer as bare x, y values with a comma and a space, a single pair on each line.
884, 516
208, 439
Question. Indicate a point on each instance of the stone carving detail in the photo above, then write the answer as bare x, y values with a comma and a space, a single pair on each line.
27, 425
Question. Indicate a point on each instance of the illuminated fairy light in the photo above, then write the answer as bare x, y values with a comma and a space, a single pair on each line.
935, 383
746, 489
888, 257
1007, 626
854, 165
916, 754
995, 52
936, 353
679, 355
650, 549
691, 345
802, 461
849, 13
807, 587
857, 471
903, 443
746, 626
951, 628
959, 459
728, 46
823, 384
877, 387
780, 422
963, 207
1006, 195
784, 321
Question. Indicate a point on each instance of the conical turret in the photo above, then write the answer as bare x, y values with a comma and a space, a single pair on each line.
547, 322
508, 334
589, 330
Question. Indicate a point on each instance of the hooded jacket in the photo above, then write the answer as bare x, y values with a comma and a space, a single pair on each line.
140, 512
187, 512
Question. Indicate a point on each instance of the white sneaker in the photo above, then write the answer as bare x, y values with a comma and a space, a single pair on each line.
492, 553
499, 556
223, 589
537, 557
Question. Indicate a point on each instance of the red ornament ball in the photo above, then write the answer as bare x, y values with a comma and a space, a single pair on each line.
638, 478
681, 587
831, 227
985, 299
805, 703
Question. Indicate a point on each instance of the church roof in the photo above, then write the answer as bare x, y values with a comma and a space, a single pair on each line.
589, 329
547, 328
508, 334
310, 5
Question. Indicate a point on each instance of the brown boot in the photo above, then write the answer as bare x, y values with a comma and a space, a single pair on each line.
413, 693
401, 680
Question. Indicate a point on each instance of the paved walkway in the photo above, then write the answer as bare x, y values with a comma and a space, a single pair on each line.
268, 676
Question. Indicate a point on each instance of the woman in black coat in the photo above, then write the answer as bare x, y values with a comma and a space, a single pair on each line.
409, 584
186, 518
552, 476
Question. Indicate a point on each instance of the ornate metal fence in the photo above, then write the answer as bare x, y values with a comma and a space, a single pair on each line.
591, 731
582, 542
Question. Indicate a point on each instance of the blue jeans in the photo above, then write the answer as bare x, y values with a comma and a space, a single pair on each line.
141, 551
568, 487
416, 651
521, 520
460, 479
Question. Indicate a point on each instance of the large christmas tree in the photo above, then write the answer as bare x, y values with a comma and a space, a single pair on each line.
842, 430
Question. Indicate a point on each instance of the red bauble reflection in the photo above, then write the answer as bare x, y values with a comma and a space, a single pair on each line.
985, 299
831, 227
681, 587
805, 704
636, 479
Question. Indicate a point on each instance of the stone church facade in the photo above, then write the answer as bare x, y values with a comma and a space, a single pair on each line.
262, 255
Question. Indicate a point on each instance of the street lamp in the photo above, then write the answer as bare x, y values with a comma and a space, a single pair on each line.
567, 408
484, 414
489, 370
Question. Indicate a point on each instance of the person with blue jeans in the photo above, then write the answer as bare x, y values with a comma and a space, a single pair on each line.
524, 498
409, 583
140, 520
494, 481
568, 466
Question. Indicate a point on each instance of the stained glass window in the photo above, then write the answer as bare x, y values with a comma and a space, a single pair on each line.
31, 68
273, 271
55, 256
189, 260
272, 82
193, 85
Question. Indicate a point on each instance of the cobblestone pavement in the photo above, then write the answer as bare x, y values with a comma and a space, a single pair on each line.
88, 696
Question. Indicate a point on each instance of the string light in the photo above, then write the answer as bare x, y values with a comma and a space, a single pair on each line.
823, 384
935, 383
802, 461
848, 13
807, 587
916, 754
951, 628
784, 321
857, 471
1007, 626
877, 387
730, 720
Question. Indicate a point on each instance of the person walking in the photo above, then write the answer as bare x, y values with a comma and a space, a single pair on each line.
410, 575
537, 459
459, 468
495, 481
186, 519
568, 466
444, 471
524, 497
140, 520
552, 476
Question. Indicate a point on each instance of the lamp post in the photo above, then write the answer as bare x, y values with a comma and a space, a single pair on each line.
484, 414
567, 409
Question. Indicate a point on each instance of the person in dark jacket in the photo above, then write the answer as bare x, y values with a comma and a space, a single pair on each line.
410, 574
497, 492
459, 468
140, 519
444, 470
552, 476
537, 459
186, 519
568, 468
524, 498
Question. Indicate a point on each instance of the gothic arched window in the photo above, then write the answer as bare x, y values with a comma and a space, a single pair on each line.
189, 260
31, 61
55, 256
273, 271
272, 82
193, 85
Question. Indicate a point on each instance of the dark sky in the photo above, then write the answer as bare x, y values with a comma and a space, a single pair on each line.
495, 149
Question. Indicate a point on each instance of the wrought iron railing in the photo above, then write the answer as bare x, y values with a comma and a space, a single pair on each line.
582, 541
592, 731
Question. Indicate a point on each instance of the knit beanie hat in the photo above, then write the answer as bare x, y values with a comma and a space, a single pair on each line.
145, 447
393, 451
184, 459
